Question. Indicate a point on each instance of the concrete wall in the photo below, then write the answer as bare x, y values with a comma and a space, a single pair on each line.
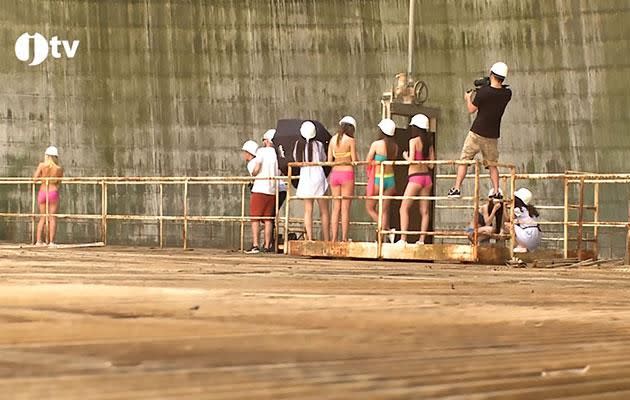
173, 87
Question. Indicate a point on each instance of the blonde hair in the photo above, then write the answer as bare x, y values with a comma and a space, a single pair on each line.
51, 161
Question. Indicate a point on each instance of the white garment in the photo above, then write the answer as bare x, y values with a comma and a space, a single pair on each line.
313, 180
266, 157
526, 230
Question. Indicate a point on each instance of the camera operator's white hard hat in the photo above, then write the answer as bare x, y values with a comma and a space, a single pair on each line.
387, 126
421, 121
307, 130
500, 69
348, 120
251, 147
269, 135
52, 151
525, 195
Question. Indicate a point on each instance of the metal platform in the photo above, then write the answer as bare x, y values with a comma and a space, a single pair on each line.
428, 252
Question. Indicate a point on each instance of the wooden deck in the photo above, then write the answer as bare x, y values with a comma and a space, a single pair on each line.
108, 323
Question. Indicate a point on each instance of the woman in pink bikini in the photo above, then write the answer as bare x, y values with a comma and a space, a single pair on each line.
342, 149
50, 168
420, 148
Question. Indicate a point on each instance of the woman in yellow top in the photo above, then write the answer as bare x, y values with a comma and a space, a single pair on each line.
48, 194
383, 149
342, 148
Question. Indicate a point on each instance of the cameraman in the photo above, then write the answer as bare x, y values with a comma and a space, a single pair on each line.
489, 102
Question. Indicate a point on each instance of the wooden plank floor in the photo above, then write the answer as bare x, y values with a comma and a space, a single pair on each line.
116, 323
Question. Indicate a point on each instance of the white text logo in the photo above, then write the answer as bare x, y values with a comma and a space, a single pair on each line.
41, 47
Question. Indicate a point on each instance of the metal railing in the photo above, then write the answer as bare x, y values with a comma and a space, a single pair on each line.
186, 217
380, 197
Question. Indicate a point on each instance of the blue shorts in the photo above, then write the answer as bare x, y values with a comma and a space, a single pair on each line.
388, 183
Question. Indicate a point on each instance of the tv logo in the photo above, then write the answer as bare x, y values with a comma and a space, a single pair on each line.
41, 46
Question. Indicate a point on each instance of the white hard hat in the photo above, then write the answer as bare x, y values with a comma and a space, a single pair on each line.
269, 135
348, 120
307, 130
491, 192
525, 195
251, 147
52, 151
421, 121
387, 126
500, 69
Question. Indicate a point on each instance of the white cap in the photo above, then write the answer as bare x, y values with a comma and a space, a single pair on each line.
269, 135
307, 130
421, 121
52, 151
251, 147
348, 120
525, 195
491, 192
387, 126
500, 69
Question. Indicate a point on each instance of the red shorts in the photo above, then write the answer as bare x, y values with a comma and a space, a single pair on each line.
262, 205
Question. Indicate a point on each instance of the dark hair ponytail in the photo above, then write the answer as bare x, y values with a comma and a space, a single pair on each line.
533, 212
300, 146
391, 148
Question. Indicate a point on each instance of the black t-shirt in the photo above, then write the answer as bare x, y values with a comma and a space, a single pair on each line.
491, 103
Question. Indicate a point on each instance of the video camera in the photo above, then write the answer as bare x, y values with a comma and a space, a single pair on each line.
481, 82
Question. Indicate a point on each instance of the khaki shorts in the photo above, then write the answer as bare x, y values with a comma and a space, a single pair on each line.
476, 144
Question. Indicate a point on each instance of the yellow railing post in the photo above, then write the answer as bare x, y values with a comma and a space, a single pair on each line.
379, 224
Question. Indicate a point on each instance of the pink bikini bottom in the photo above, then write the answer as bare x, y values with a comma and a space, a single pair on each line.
338, 178
421, 179
53, 197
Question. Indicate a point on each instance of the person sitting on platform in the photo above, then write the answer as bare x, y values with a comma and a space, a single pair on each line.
419, 175
526, 228
490, 217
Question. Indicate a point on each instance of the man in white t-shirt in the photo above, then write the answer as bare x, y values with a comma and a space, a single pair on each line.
261, 163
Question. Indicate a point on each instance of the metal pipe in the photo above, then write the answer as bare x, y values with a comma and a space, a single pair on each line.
596, 219
475, 249
161, 206
410, 39
379, 223
185, 228
243, 187
285, 246
33, 209
566, 219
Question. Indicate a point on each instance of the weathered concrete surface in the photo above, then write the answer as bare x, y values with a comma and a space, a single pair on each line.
123, 324
173, 87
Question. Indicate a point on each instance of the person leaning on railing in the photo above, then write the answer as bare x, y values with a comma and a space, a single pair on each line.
382, 149
419, 176
312, 181
342, 148
48, 195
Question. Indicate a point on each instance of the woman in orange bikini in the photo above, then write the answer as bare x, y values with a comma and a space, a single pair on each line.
48, 194
342, 149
